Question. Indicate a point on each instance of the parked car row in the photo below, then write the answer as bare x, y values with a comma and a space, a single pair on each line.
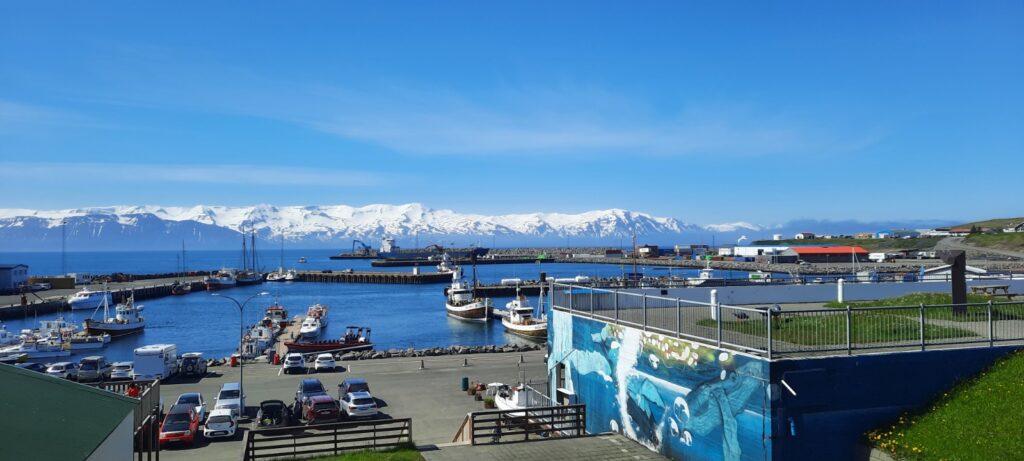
182, 421
296, 363
92, 368
313, 405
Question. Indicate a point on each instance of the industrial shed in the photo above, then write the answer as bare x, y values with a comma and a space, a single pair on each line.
830, 254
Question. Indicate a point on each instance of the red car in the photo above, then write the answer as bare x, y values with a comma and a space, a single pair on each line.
320, 409
180, 425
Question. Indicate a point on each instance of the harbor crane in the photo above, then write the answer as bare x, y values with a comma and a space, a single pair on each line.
364, 249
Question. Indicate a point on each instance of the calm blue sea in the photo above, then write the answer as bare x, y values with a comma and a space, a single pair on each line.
401, 316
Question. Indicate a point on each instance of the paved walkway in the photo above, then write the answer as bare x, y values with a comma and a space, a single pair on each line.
611, 447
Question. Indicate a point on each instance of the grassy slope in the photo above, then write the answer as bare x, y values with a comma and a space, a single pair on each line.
912, 299
867, 244
1014, 241
981, 419
993, 223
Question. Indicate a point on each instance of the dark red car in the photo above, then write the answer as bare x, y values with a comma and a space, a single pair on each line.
320, 409
180, 425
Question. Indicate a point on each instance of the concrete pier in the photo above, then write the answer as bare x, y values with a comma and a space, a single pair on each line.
388, 278
50, 301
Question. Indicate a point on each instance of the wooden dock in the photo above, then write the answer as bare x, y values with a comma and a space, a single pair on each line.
290, 333
386, 278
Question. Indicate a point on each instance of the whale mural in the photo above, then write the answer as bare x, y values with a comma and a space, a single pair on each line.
683, 399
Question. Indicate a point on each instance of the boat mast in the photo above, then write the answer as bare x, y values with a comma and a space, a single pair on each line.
245, 252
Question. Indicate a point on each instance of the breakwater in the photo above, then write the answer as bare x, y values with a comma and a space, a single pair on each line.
438, 351
386, 278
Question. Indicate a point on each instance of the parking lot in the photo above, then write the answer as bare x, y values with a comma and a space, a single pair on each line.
432, 397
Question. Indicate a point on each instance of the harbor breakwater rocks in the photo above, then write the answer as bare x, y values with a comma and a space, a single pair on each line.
438, 351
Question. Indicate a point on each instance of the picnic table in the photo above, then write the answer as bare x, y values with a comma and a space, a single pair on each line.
991, 290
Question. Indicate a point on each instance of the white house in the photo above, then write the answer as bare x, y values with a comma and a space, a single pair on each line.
1014, 229
804, 235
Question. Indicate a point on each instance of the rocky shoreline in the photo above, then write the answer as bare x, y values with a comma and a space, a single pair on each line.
438, 351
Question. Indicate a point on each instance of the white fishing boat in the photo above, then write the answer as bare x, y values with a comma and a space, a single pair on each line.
291, 276
278, 276
80, 342
126, 320
7, 338
462, 304
224, 278
276, 316
56, 328
310, 328
520, 320
88, 299
317, 310
445, 266
37, 348
257, 341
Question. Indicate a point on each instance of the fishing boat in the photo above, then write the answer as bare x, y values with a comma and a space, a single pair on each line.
291, 276
445, 266
80, 342
36, 348
276, 314
462, 303
302, 260
7, 338
310, 328
88, 299
281, 275
126, 320
224, 278
521, 321
257, 341
317, 310
356, 339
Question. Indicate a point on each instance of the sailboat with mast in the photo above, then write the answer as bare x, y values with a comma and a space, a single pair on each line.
181, 286
282, 275
249, 275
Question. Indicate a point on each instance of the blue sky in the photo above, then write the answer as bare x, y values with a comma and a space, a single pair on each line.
704, 111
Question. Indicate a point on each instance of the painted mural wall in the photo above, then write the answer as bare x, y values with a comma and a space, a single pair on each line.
680, 398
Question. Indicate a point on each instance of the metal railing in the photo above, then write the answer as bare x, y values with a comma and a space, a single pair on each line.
505, 426
326, 439
776, 333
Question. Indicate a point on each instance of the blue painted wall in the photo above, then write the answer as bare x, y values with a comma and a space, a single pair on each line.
838, 399
683, 399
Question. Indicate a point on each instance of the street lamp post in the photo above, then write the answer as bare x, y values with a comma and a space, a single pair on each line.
241, 334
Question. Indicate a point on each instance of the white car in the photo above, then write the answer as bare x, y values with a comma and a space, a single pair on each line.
66, 370
221, 423
293, 362
121, 370
358, 405
324, 362
196, 400
231, 398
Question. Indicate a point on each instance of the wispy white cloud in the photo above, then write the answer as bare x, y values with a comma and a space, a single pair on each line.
16, 116
86, 173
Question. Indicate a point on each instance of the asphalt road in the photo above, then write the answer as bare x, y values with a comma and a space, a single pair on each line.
431, 397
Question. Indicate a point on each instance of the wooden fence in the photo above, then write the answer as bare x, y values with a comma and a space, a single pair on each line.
505, 426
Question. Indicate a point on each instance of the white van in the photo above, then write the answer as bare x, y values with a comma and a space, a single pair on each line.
155, 361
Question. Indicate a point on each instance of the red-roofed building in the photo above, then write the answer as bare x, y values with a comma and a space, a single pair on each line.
830, 254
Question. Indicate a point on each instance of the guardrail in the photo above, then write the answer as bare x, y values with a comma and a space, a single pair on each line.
326, 439
491, 427
775, 332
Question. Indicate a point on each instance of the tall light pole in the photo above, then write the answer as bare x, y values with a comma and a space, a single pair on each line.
63, 248
241, 334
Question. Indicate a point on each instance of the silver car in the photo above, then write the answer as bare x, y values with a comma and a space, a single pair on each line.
358, 405
94, 368
121, 370
66, 370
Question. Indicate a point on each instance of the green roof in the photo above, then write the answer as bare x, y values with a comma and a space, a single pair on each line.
53, 418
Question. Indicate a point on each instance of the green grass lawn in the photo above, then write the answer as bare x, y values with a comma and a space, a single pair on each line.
993, 223
401, 454
980, 419
822, 330
974, 313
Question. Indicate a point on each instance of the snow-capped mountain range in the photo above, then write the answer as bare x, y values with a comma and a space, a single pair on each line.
335, 226
318, 226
